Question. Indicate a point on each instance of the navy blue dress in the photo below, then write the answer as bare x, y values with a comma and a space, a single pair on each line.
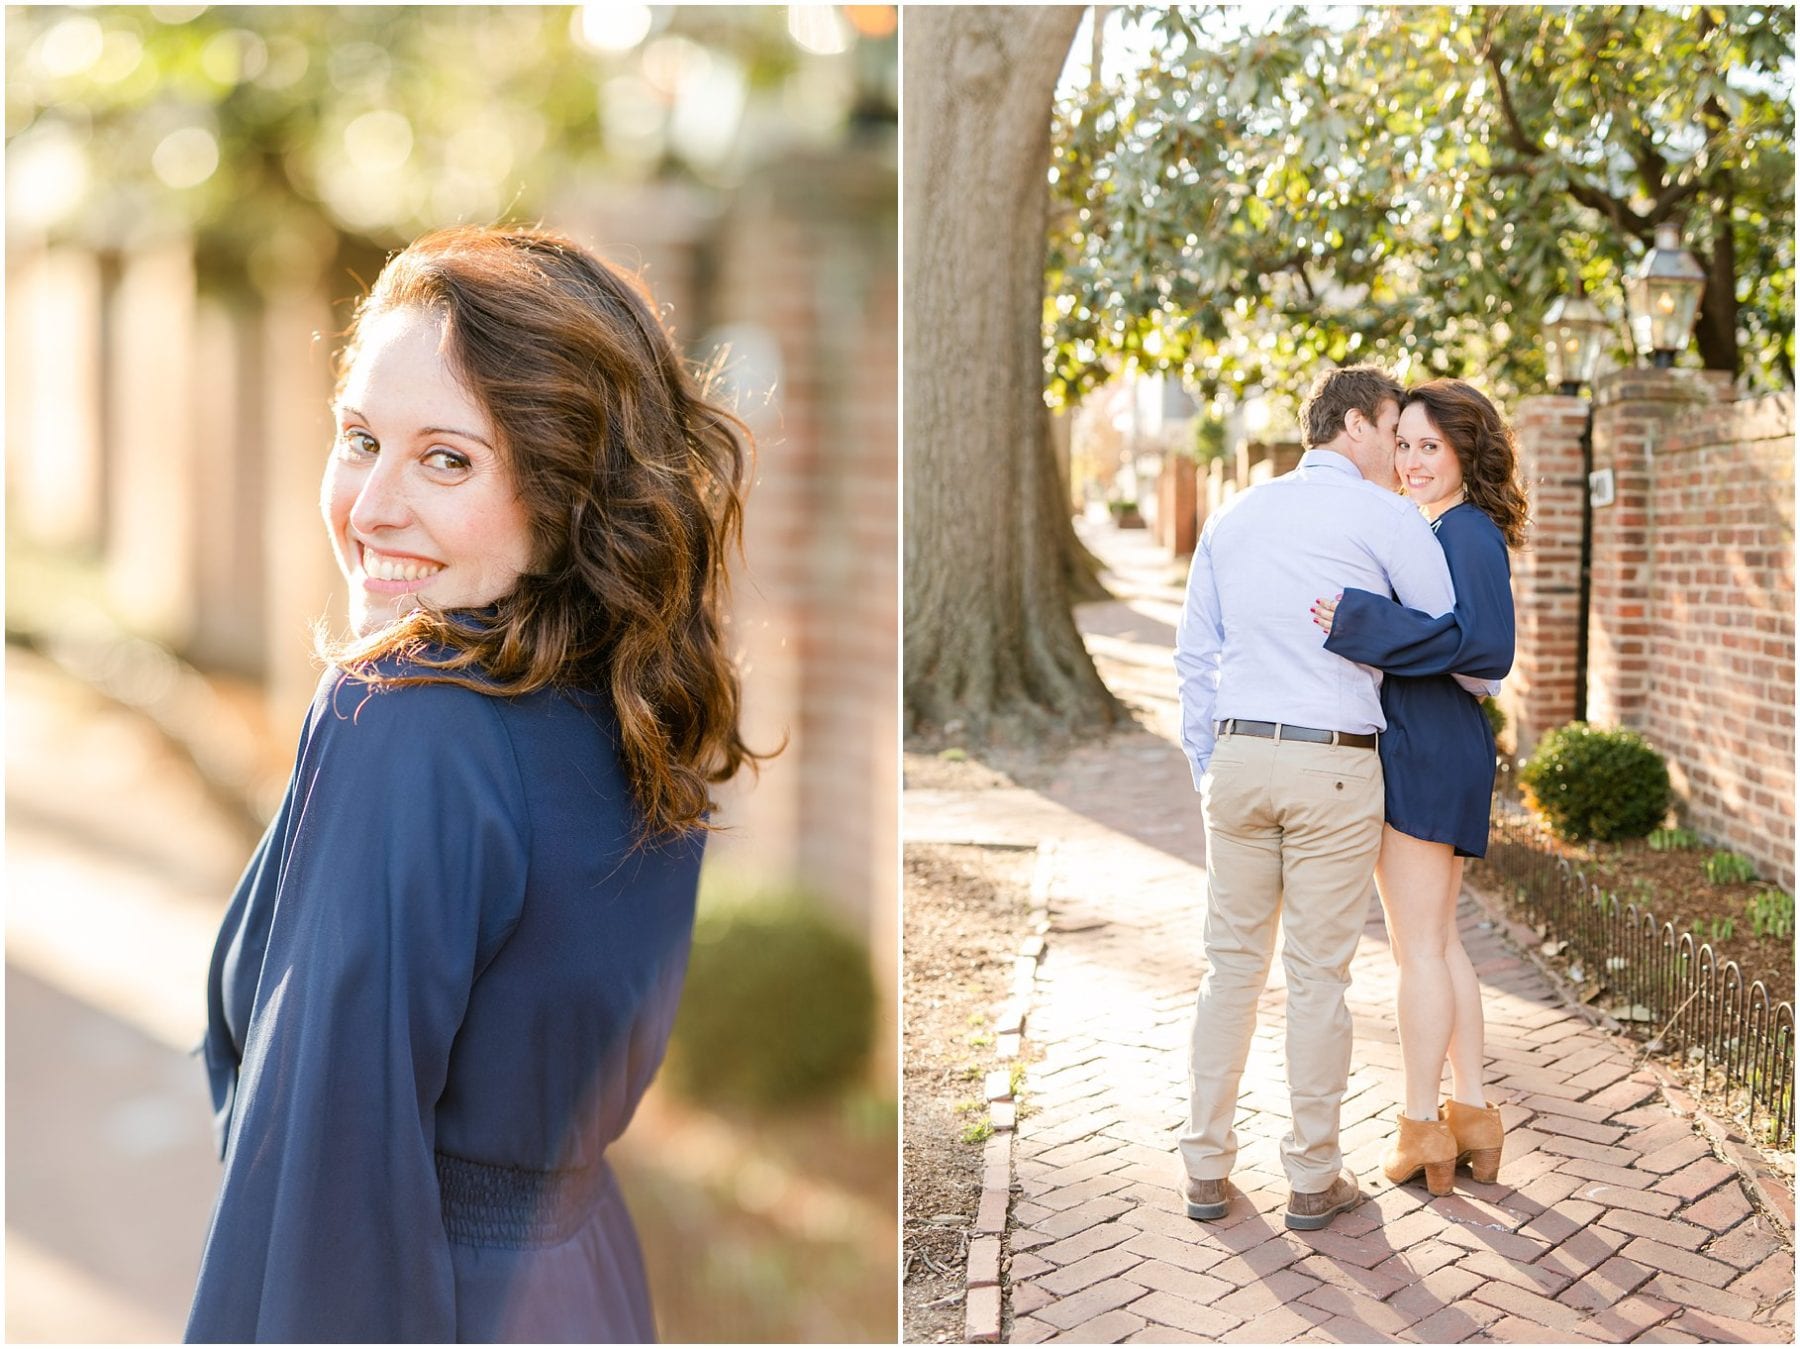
1437, 754
443, 984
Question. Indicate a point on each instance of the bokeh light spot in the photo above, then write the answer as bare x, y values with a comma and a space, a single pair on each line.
613, 28
46, 175
71, 47
818, 29
186, 158
379, 141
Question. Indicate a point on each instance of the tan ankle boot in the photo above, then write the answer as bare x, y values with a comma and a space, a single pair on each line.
1422, 1145
1478, 1135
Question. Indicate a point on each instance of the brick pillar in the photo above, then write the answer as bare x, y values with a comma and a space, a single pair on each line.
1630, 408
1284, 456
1181, 506
1539, 695
1162, 510
1214, 495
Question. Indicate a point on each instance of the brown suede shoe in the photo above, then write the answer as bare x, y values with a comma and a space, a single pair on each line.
1206, 1199
1479, 1137
1310, 1212
1422, 1145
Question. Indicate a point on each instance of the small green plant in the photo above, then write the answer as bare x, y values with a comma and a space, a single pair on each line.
1015, 1080
954, 754
978, 1132
969, 1072
978, 1039
970, 1107
1496, 715
1716, 930
1673, 840
1596, 782
1771, 913
1729, 868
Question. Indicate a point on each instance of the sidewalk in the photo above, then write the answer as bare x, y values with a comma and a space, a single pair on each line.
1614, 1221
119, 862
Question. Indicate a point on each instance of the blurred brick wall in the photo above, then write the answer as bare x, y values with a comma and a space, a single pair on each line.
807, 256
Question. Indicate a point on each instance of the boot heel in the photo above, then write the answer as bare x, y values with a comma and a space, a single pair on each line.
1440, 1177
1484, 1164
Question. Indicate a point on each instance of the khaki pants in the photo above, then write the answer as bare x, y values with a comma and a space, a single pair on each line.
1291, 826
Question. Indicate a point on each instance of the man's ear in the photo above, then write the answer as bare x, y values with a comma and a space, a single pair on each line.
1355, 423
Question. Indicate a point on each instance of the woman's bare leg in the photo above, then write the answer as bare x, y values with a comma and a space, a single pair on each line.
1468, 1051
1416, 880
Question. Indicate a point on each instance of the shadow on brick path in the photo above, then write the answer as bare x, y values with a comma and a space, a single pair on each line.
1613, 1222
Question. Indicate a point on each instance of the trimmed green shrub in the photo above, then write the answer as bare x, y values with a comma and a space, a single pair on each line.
779, 1005
1596, 782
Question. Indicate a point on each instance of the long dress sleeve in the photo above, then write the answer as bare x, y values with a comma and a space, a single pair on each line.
394, 874
1475, 638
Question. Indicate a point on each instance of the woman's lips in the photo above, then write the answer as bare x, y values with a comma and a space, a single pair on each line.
394, 573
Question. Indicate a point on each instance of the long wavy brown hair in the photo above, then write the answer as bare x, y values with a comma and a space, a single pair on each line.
1484, 448
633, 484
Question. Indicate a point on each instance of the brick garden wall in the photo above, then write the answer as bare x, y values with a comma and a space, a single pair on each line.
1691, 613
1720, 691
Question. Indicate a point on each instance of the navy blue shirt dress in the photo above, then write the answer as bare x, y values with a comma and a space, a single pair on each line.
443, 984
1437, 753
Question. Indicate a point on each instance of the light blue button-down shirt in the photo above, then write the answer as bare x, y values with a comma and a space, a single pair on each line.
1247, 646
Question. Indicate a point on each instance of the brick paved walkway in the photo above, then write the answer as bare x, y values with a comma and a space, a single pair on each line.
1614, 1221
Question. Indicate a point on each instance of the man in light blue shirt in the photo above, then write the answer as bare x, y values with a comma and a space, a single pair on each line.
1280, 735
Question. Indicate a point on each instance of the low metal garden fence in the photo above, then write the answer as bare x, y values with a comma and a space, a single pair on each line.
1671, 986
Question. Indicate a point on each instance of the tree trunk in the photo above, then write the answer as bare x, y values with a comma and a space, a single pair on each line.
1715, 332
990, 640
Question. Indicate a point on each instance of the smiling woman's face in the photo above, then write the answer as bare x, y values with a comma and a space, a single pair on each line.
417, 498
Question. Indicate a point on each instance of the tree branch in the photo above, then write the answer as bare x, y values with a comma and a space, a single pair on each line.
1520, 139
1611, 207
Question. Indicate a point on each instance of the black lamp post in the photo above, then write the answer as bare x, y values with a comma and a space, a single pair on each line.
1574, 332
1664, 296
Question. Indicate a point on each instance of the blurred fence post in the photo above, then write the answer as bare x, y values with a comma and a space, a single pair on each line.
150, 525
229, 585
53, 397
299, 572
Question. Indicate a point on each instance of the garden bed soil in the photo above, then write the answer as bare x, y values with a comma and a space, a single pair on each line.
1673, 887
965, 915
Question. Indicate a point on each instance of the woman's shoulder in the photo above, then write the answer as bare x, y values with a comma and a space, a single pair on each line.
402, 698
399, 712
1468, 526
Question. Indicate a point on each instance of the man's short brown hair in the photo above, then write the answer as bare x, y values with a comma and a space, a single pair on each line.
1335, 392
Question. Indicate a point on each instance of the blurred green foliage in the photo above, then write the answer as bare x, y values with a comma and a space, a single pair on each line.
1413, 186
1495, 714
269, 133
779, 1005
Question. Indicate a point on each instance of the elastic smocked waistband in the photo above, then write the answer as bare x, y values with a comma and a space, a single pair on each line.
516, 1208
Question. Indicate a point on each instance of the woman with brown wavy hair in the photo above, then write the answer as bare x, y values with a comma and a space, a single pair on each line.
1456, 459
450, 969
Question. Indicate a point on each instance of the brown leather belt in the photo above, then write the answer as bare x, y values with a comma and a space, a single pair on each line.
1275, 730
